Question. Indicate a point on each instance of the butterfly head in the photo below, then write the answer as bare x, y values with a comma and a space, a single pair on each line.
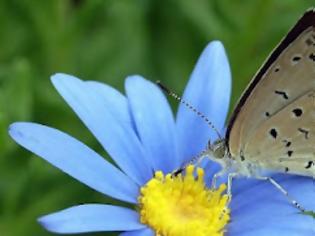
218, 149
218, 152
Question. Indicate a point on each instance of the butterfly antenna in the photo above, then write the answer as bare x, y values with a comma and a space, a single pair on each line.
198, 158
189, 106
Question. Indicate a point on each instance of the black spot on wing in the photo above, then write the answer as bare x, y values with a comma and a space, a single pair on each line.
296, 58
273, 132
297, 112
287, 143
309, 164
305, 132
312, 57
309, 42
242, 155
282, 93
290, 152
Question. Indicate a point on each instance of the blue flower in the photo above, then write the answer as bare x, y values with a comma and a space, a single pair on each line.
140, 134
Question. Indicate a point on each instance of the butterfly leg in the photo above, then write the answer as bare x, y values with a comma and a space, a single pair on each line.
231, 176
280, 188
216, 176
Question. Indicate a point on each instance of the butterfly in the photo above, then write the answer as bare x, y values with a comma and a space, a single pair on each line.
273, 124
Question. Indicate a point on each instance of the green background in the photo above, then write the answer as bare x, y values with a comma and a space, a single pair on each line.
106, 40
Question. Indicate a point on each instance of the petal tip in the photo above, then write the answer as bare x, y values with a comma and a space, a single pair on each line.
43, 222
215, 45
58, 77
13, 129
134, 78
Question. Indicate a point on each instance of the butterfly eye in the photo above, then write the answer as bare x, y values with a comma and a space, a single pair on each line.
218, 148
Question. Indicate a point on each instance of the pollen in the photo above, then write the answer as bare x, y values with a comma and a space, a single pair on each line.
182, 205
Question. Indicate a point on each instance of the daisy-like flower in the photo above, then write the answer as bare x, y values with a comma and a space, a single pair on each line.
140, 134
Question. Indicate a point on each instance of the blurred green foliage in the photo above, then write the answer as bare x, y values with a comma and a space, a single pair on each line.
107, 40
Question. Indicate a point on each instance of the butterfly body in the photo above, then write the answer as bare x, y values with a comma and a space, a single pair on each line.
220, 154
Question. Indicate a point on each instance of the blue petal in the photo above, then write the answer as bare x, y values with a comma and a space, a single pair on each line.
105, 112
154, 122
91, 218
259, 208
208, 90
274, 224
75, 159
116, 103
141, 232
211, 168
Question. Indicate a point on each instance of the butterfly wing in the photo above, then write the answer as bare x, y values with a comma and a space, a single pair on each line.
285, 142
287, 76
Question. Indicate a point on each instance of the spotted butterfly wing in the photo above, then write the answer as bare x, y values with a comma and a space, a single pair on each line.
273, 125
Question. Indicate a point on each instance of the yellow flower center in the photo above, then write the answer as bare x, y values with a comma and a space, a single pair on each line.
182, 205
